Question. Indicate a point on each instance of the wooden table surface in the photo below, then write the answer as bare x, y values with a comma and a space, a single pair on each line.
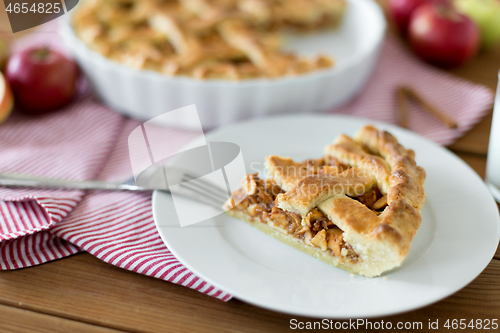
82, 293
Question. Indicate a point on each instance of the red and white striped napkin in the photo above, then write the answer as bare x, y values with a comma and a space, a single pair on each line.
89, 141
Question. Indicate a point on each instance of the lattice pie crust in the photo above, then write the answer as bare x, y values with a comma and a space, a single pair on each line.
357, 208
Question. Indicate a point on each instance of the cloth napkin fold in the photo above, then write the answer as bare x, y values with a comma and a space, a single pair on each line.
89, 141
463, 101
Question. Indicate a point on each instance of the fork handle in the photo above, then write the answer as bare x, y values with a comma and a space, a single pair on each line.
35, 182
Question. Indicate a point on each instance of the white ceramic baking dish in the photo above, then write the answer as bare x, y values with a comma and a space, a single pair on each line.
146, 94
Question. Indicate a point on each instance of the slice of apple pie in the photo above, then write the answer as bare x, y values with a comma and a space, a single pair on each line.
357, 208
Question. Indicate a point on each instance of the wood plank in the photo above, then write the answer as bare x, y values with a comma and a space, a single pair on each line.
85, 289
497, 254
476, 162
482, 70
477, 139
479, 300
18, 320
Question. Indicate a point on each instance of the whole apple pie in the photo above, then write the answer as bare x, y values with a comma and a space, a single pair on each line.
205, 39
357, 207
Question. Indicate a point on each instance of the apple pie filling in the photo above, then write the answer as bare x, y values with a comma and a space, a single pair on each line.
257, 198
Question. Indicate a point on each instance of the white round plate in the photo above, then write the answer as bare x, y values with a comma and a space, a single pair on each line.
456, 241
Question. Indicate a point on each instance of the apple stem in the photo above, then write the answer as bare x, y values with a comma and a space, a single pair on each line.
42, 53
446, 3
445, 9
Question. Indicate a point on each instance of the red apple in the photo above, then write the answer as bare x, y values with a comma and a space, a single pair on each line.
443, 36
41, 79
401, 10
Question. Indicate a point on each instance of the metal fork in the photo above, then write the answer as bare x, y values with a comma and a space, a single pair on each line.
190, 186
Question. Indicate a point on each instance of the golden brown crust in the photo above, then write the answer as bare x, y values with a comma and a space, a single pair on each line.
287, 173
407, 179
347, 151
349, 215
402, 180
312, 190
